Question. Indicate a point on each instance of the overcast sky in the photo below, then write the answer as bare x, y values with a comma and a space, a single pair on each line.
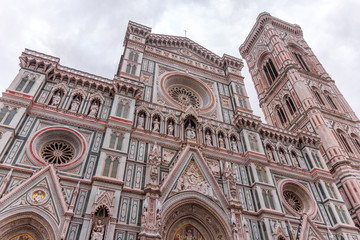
87, 35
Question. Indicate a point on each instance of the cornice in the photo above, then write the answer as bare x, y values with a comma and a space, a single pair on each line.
263, 19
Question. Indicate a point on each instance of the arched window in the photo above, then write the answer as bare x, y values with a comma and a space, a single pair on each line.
261, 172
332, 215
10, 117
3, 112
356, 141
317, 96
281, 115
290, 104
119, 109
309, 160
329, 100
116, 141
131, 56
270, 71
322, 191
22, 83
111, 167
136, 57
316, 159
128, 68
344, 141
300, 61
126, 110
133, 70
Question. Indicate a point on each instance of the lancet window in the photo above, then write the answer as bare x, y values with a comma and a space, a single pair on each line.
116, 141
268, 198
317, 96
111, 167
344, 141
261, 172
330, 100
7, 114
301, 61
290, 105
270, 71
26, 84
122, 109
281, 115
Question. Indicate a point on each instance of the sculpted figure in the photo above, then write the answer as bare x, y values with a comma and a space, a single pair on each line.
234, 145
190, 133
270, 154
208, 139
94, 110
75, 105
141, 120
98, 231
156, 127
56, 99
221, 141
171, 129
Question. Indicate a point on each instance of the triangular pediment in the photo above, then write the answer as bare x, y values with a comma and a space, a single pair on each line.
191, 173
41, 193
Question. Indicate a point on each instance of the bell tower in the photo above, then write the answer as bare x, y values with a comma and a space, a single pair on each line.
295, 92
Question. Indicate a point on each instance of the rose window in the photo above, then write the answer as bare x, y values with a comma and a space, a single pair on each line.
185, 96
57, 152
293, 200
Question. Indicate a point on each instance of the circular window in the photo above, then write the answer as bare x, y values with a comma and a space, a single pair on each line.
183, 90
185, 96
63, 147
57, 152
294, 201
297, 198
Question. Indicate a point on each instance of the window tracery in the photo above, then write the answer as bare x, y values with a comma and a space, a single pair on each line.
300, 61
294, 201
116, 141
184, 96
281, 116
330, 100
26, 83
111, 167
57, 152
317, 96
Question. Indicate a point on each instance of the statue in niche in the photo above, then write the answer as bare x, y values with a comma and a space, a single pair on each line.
282, 157
234, 145
94, 109
156, 125
75, 104
208, 140
221, 141
171, 129
190, 132
56, 99
270, 154
141, 120
98, 231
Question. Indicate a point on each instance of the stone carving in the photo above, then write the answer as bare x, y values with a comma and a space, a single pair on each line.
141, 120
98, 231
38, 196
170, 129
229, 175
193, 180
208, 140
167, 156
156, 126
221, 141
94, 109
56, 99
190, 133
234, 145
214, 167
75, 104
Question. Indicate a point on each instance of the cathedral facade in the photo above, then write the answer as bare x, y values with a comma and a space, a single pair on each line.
170, 148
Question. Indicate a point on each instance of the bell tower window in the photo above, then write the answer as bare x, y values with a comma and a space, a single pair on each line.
270, 71
290, 105
301, 61
317, 96
281, 115
330, 101
344, 142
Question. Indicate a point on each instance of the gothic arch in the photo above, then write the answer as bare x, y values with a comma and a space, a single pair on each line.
29, 220
195, 209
